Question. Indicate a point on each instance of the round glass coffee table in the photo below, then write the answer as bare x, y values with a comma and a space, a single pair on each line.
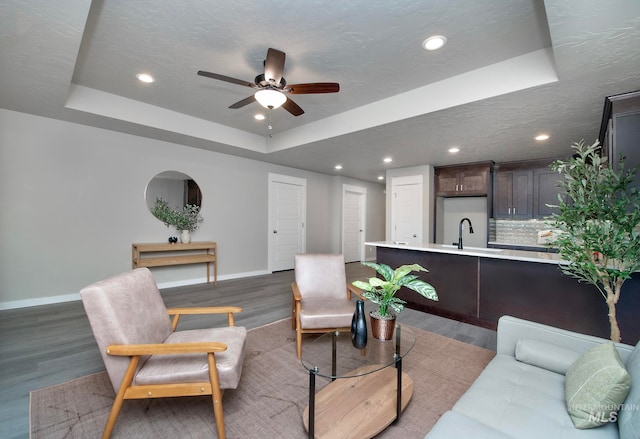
367, 390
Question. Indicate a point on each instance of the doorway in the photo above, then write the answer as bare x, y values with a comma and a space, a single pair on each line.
287, 219
354, 202
406, 210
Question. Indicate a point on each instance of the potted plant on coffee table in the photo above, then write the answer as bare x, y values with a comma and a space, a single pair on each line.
382, 292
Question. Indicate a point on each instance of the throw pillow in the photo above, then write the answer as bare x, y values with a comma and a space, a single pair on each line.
595, 387
629, 416
545, 355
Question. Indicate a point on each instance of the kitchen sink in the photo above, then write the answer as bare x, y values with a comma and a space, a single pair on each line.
495, 250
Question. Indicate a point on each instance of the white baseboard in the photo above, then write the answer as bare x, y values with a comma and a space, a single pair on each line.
15, 304
27, 303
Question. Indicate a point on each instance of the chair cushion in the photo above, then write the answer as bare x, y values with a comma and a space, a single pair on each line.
597, 383
629, 415
321, 275
322, 313
193, 368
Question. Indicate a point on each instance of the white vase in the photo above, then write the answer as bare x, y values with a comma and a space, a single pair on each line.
185, 236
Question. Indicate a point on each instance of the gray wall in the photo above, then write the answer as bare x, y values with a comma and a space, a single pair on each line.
72, 202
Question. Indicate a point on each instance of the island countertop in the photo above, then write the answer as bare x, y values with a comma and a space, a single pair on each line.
514, 255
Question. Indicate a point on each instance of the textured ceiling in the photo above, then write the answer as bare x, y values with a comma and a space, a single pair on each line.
510, 70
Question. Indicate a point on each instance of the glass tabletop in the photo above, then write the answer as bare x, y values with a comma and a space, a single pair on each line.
349, 361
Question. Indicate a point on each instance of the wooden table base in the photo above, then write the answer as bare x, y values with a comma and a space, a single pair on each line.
359, 407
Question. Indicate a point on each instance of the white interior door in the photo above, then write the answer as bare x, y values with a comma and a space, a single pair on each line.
406, 213
287, 207
353, 222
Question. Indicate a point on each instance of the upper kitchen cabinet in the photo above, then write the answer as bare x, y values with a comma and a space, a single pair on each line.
513, 194
522, 190
545, 191
620, 130
463, 180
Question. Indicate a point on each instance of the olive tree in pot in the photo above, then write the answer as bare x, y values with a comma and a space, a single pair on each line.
598, 223
383, 291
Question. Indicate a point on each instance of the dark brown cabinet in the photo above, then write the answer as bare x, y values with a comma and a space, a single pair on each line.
463, 180
522, 190
545, 192
620, 131
513, 194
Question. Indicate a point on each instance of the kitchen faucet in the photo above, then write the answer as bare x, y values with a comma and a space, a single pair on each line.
460, 231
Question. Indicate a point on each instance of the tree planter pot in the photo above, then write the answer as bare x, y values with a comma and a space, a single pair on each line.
382, 329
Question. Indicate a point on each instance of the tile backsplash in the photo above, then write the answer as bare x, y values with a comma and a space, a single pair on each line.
516, 232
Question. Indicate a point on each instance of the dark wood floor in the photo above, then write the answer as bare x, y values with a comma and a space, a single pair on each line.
47, 345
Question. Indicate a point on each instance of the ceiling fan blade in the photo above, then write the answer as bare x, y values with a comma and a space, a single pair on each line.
274, 66
315, 87
292, 107
226, 78
242, 103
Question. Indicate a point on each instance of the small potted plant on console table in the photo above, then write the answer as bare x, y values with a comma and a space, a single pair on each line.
383, 291
185, 220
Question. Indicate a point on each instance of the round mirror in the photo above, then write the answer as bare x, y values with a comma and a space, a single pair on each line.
176, 188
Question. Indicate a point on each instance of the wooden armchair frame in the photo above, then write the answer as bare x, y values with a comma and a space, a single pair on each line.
212, 387
296, 306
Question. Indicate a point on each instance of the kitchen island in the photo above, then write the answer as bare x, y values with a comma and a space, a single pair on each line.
478, 285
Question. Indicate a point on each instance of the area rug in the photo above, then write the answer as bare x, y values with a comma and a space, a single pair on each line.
269, 402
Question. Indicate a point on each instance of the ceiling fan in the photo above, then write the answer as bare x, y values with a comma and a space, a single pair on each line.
272, 88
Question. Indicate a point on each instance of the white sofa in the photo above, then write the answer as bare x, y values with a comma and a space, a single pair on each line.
526, 399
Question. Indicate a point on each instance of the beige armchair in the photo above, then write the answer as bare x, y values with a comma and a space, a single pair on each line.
146, 358
321, 296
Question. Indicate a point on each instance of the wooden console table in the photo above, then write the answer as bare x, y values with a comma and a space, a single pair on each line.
161, 255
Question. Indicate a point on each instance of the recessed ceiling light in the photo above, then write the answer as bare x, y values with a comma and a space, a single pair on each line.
259, 117
381, 177
145, 77
454, 150
387, 160
542, 137
338, 167
434, 42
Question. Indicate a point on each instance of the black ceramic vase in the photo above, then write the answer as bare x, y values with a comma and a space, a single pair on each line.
359, 327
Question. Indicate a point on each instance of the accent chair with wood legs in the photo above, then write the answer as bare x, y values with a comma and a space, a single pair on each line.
321, 296
146, 357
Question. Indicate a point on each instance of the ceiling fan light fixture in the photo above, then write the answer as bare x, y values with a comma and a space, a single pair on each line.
270, 98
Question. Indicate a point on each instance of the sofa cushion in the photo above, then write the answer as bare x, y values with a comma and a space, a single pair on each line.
524, 402
629, 415
545, 355
453, 425
596, 384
